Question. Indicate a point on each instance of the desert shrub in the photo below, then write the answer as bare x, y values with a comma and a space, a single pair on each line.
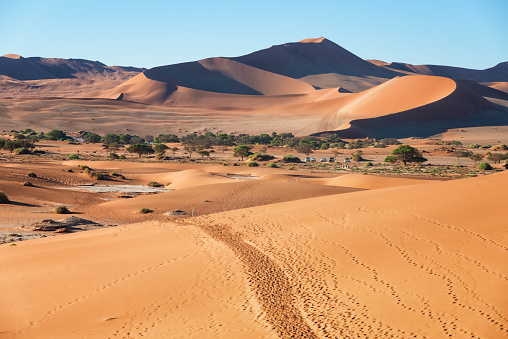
113, 156
261, 157
154, 184
369, 164
390, 158
28, 184
121, 156
291, 158
3, 198
21, 150
389, 141
485, 166
252, 164
291, 168
379, 145
272, 165
72, 156
32, 175
62, 209
356, 157
118, 175
145, 210
84, 167
96, 175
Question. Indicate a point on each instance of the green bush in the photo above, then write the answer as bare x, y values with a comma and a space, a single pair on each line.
72, 156
261, 157
485, 166
292, 159
121, 157
113, 156
21, 150
252, 164
32, 175
145, 210
272, 165
96, 175
62, 209
154, 184
356, 157
369, 164
3, 198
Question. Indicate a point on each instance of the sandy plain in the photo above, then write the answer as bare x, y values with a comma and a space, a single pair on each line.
268, 252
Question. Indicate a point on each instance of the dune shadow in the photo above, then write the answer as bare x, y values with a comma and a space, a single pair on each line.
22, 204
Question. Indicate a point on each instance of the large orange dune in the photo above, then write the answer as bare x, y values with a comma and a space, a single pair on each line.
423, 260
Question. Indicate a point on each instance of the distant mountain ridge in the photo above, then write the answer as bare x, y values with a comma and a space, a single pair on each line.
37, 68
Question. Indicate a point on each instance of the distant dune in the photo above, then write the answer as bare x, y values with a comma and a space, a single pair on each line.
498, 73
35, 68
501, 86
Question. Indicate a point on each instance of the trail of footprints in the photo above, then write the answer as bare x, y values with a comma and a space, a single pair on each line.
449, 282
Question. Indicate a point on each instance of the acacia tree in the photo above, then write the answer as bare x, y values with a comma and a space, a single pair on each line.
140, 149
113, 147
304, 148
496, 157
406, 153
204, 154
476, 157
160, 148
461, 154
190, 150
241, 151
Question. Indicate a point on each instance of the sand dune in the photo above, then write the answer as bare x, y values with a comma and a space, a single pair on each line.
315, 57
415, 261
217, 197
195, 82
501, 86
410, 105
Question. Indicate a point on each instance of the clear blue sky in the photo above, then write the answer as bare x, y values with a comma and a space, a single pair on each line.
464, 33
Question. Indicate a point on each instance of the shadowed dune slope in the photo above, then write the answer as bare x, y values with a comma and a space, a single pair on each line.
310, 57
414, 261
222, 75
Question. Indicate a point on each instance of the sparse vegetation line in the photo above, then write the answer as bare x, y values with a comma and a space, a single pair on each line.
270, 283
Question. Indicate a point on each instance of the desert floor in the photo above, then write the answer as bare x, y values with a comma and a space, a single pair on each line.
299, 251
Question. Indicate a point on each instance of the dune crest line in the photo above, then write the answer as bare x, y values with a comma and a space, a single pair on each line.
271, 285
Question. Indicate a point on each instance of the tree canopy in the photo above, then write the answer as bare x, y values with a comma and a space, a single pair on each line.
241, 151
406, 153
140, 149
